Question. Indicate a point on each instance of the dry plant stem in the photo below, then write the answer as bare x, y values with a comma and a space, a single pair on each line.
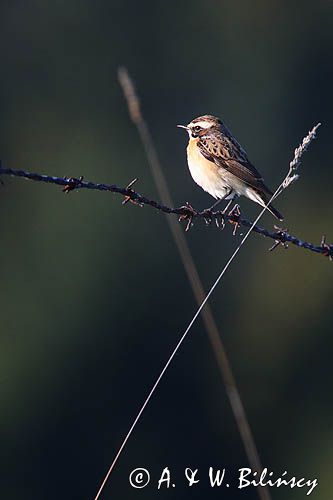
71, 184
294, 165
282, 186
194, 279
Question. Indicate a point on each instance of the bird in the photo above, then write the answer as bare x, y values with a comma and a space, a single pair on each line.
220, 166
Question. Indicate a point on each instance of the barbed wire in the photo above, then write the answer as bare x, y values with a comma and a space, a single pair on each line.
185, 213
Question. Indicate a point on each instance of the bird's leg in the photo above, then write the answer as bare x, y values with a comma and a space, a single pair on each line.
208, 211
221, 199
225, 210
216, 203
227, 206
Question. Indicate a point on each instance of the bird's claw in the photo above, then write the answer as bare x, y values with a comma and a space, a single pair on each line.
207, 215
219, 218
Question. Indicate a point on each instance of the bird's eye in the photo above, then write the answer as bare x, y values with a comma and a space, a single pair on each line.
197, 128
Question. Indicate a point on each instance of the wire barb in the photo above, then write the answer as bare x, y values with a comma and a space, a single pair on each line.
235, 212
129, 197
73, 183
188, 215
327, 249
219, 217
281, 241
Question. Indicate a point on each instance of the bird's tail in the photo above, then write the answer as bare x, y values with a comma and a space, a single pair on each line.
263, 201
275, 212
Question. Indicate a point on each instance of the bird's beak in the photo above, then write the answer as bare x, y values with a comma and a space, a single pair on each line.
183, 126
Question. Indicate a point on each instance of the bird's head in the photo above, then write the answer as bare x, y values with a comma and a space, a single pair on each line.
202, 125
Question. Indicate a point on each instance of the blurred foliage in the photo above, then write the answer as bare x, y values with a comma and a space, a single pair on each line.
93, 294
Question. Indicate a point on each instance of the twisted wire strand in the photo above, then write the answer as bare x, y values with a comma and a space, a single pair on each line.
70, 184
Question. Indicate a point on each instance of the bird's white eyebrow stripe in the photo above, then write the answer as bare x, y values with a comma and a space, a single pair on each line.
202, 124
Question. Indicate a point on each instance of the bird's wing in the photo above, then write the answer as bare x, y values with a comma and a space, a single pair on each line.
227, 153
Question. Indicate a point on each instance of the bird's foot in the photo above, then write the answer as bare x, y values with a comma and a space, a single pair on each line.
188, 214
207, 215
220, 219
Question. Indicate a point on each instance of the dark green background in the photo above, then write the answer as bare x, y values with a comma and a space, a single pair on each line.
93, 294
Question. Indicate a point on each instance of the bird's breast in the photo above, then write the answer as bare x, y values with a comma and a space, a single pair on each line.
204, 172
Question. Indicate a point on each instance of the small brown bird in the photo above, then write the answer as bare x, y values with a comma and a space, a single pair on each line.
221, 166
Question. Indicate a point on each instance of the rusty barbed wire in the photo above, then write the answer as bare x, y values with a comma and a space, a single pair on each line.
185, 212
